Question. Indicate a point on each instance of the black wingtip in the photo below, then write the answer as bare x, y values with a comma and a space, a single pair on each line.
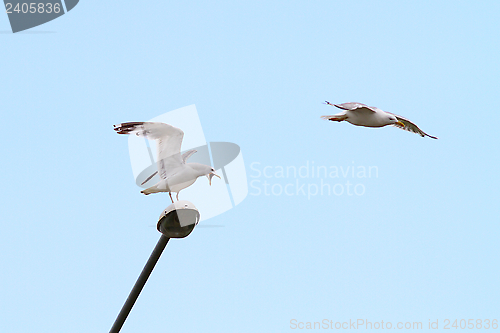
126, 128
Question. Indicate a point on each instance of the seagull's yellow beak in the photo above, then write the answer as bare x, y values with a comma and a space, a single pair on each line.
400, 124
210, 176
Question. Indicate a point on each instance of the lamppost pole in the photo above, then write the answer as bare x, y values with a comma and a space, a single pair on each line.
177, 221
139, 284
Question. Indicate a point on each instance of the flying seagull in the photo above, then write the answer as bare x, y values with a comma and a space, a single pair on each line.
175, 173
369, 116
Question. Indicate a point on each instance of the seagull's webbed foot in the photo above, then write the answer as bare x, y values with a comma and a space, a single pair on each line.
170, 194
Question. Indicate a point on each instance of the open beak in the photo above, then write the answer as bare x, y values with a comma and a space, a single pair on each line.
210, 176
400, 124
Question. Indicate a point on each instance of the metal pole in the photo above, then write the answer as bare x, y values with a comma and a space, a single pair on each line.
141, 281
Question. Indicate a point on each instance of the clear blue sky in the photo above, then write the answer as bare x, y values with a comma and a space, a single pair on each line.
420, 243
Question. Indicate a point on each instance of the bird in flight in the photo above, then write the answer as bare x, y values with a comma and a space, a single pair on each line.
369, 116
175, 173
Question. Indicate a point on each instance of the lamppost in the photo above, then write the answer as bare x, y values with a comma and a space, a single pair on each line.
176, 221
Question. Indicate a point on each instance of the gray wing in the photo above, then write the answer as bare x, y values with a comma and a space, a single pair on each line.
185, 157
168, 142
410, 127
354, 106
188, 154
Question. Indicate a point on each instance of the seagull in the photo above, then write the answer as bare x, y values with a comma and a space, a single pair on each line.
175, 173
369, 116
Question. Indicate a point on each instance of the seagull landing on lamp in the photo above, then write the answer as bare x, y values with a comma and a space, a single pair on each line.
175, 173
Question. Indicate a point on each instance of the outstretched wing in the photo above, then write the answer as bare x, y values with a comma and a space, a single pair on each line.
188, 154
168, 142
185, 157
410, 127
353, 106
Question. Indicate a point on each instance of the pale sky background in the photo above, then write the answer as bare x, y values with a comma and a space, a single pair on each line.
421, 242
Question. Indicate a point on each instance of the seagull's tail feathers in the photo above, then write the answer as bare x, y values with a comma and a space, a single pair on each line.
335, 117
152, 189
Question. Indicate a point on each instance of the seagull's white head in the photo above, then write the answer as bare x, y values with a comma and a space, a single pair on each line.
393, 120
211, 175
204, 170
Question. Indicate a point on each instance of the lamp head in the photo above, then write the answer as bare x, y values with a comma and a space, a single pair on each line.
178, 220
